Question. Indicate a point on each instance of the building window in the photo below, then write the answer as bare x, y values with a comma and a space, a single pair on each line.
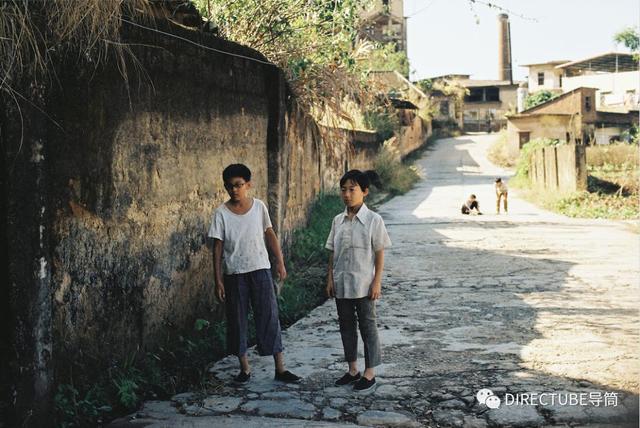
587, 103
475, 95
540, 79
560, 81
524, 138
444, 107
492, 94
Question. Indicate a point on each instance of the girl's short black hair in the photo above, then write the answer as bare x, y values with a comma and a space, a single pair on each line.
236, 170
498, 180
363, 178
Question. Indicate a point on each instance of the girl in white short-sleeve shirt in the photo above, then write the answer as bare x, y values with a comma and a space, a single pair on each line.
357, 241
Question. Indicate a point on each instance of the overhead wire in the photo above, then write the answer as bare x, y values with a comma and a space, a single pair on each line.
175, 36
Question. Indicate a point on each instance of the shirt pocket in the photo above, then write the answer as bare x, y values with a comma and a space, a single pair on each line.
360, 237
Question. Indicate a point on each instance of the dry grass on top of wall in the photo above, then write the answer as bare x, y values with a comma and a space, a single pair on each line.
89, 26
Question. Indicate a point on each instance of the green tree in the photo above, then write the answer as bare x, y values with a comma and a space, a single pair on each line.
315, 42
320, 47
630, 38
385, 57
538, 98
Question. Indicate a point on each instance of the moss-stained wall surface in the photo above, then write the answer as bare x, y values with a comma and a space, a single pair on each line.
108, 189
136, 173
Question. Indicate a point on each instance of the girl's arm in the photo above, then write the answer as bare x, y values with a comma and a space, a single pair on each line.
375, 291
217, 268
274, 248
331, 292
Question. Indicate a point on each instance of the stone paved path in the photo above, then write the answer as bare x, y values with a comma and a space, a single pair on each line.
529, 302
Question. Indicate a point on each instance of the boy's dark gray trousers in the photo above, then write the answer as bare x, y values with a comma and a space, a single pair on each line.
256, 288
354, 313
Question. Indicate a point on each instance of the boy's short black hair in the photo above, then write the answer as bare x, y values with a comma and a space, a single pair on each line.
498, 180
236, 170
364, 179
473, 196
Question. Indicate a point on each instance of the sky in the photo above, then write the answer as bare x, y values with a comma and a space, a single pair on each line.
449, 36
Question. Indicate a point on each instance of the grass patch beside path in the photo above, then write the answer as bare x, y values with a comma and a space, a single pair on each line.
586, 204
397, 176
499, 152
303, 290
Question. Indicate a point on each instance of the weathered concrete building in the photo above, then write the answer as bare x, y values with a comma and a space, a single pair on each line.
483, 108
384, 22
572, 117
614, 75
411, 105
545, 76
606, 86
487, 104
447, 109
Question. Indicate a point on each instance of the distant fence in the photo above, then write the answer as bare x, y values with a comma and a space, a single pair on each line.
562, 168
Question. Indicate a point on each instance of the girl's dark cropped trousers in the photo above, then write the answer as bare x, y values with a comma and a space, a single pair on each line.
354, 313
255, 288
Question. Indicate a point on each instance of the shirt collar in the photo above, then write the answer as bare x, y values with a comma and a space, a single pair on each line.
361, 215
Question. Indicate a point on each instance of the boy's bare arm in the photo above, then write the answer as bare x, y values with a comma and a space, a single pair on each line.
331, 292
217, 268
375, 290
274, 248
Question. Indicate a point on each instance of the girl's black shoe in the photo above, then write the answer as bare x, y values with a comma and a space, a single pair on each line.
347, 379
364, 384
242, 377
287, 376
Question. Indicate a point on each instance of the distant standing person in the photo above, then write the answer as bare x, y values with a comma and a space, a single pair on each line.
501, 191
471, 206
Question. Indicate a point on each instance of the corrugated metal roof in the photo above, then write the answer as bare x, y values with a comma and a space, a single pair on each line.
607, 62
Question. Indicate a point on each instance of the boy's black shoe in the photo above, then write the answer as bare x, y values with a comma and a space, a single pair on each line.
242, 377
364, 384
287, 376
347, 379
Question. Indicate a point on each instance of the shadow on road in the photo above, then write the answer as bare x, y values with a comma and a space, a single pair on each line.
460, 316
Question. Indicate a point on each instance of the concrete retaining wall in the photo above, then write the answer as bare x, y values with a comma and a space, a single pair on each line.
108, 187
